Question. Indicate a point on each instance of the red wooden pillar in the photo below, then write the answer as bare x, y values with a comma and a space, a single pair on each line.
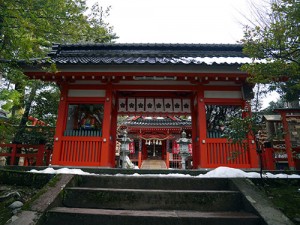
202, 129
106, 155
168, 160
251, 139
113, 135
13, 154
144, 150
252, 152
140, 159
268, 159
195, 143
287, 138
163, 150
40, 155
60, 124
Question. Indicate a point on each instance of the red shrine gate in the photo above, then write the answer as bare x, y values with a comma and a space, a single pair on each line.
100, 82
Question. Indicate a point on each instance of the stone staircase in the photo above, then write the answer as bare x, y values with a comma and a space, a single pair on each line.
149, 200
154, 164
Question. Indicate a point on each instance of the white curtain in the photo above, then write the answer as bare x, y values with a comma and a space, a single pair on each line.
186, 105
159, 105
168, 105
177, 105
122, 105
150, 105
131, 105
140, 105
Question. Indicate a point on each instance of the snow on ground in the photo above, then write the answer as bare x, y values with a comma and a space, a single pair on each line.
50, 170
220, 172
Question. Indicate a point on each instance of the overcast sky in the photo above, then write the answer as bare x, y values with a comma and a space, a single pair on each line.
177, 21
180, 21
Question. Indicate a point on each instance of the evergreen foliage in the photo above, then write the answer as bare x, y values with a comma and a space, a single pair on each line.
27, 30
275, 39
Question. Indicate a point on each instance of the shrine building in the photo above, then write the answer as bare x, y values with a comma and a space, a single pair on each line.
164, 89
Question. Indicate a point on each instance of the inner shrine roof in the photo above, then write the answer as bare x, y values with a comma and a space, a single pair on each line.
161, 122
207, 54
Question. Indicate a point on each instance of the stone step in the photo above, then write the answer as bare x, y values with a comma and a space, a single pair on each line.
154, 164
79, 216
154, 182
141, 199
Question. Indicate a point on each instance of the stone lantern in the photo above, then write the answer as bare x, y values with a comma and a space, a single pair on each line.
184, 148
124, 150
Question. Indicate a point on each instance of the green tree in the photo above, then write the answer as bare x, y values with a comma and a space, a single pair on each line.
275, 38
27, 30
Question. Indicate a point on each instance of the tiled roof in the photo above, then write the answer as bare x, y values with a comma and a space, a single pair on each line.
166, 122
148, 54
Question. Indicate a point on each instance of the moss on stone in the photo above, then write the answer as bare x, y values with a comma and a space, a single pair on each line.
284, 193
22, 178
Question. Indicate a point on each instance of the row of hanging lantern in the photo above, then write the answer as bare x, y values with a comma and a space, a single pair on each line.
153, 142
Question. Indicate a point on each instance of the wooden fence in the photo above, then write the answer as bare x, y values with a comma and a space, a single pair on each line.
24, 155
80, 151
222, 153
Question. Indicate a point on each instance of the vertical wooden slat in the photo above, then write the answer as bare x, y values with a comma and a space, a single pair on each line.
218, 155
61, 156
99, 151
211, 160
209, 149
236, 156
84, 153
77, 146
69, 151
223, 157
67, 146
81, 150
74, 145
247, 155
244, 151
242, 155
94, 149
211, 152
65, 151
228, 153
89, 151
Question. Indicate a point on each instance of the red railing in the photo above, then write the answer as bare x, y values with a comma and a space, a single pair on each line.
25, 155
222, 153
80, 151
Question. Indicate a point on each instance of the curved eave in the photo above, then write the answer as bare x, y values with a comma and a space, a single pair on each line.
161, 128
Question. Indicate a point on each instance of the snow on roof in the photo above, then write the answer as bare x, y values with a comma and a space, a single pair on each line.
272, 117
219, 60
220, 172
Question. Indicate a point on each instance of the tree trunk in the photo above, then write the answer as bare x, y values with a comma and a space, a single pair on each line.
22, 126
21, 89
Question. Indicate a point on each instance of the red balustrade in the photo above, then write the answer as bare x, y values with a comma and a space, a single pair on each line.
222, 153
25, 155
80, 151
